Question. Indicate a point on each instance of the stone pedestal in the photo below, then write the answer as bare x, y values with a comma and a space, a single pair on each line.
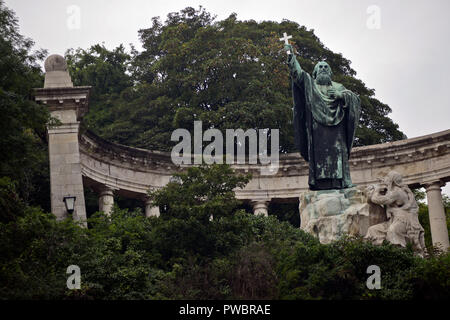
329, 214
438, 223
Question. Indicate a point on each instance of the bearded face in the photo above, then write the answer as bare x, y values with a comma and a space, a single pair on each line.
322, 73
323, 78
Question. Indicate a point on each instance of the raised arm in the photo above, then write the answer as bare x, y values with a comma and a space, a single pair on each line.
294, 67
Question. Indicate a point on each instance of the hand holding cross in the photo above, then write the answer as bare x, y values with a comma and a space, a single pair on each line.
285, 38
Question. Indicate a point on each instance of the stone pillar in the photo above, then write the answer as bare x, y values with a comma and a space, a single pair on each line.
106, 200
150, 209
438, 224
260, 207
65, 171
67, 104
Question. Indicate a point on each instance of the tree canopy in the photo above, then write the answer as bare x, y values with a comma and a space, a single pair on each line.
229, 74
23, 145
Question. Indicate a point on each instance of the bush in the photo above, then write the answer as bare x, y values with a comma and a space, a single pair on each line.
233, 256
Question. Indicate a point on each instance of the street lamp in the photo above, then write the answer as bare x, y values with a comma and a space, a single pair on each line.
69, 201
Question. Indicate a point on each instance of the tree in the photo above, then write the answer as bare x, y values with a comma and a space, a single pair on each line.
104, 70
23, 122
229, 74
200, 193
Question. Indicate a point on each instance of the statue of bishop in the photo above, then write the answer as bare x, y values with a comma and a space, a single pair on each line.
325, 119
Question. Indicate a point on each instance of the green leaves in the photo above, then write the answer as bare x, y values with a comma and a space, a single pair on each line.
23, 122
229, 74
199, 193
129, 256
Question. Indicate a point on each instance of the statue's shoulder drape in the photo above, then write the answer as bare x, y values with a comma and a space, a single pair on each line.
310, 104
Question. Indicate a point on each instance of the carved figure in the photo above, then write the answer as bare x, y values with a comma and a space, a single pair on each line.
402, 225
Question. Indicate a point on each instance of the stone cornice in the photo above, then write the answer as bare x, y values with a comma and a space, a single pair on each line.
379, 155
65, 98
408, 150
124, 156
420, 159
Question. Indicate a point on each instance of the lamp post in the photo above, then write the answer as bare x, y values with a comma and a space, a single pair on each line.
69, 201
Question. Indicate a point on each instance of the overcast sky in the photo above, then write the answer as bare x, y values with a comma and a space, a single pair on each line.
399, 48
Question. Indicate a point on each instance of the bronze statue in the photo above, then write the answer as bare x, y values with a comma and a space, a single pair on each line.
325, 119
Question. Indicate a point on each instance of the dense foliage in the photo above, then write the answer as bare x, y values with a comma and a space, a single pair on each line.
229, 74
234, 255
23, 156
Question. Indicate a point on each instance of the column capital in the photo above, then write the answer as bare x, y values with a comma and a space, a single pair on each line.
260, 206
433, 185
260, 201
106, 190
147, 201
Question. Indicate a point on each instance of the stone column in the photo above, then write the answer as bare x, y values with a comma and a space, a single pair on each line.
67, 104
438, 224
260, 207
106, 200
150, 209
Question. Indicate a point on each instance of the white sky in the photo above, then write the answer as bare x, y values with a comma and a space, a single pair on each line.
406, 59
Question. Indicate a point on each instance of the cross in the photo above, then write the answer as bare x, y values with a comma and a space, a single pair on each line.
285, 39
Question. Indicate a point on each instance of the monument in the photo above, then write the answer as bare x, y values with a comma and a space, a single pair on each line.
80, 159
325, 118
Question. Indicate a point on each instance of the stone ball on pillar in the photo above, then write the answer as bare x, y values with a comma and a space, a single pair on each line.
56, 72
55, 62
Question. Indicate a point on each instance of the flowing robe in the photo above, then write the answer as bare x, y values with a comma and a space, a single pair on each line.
324, 129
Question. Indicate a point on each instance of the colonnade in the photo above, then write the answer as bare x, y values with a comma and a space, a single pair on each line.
106, 203
436, 211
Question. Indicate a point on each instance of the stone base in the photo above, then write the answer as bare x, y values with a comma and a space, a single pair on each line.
330, 214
